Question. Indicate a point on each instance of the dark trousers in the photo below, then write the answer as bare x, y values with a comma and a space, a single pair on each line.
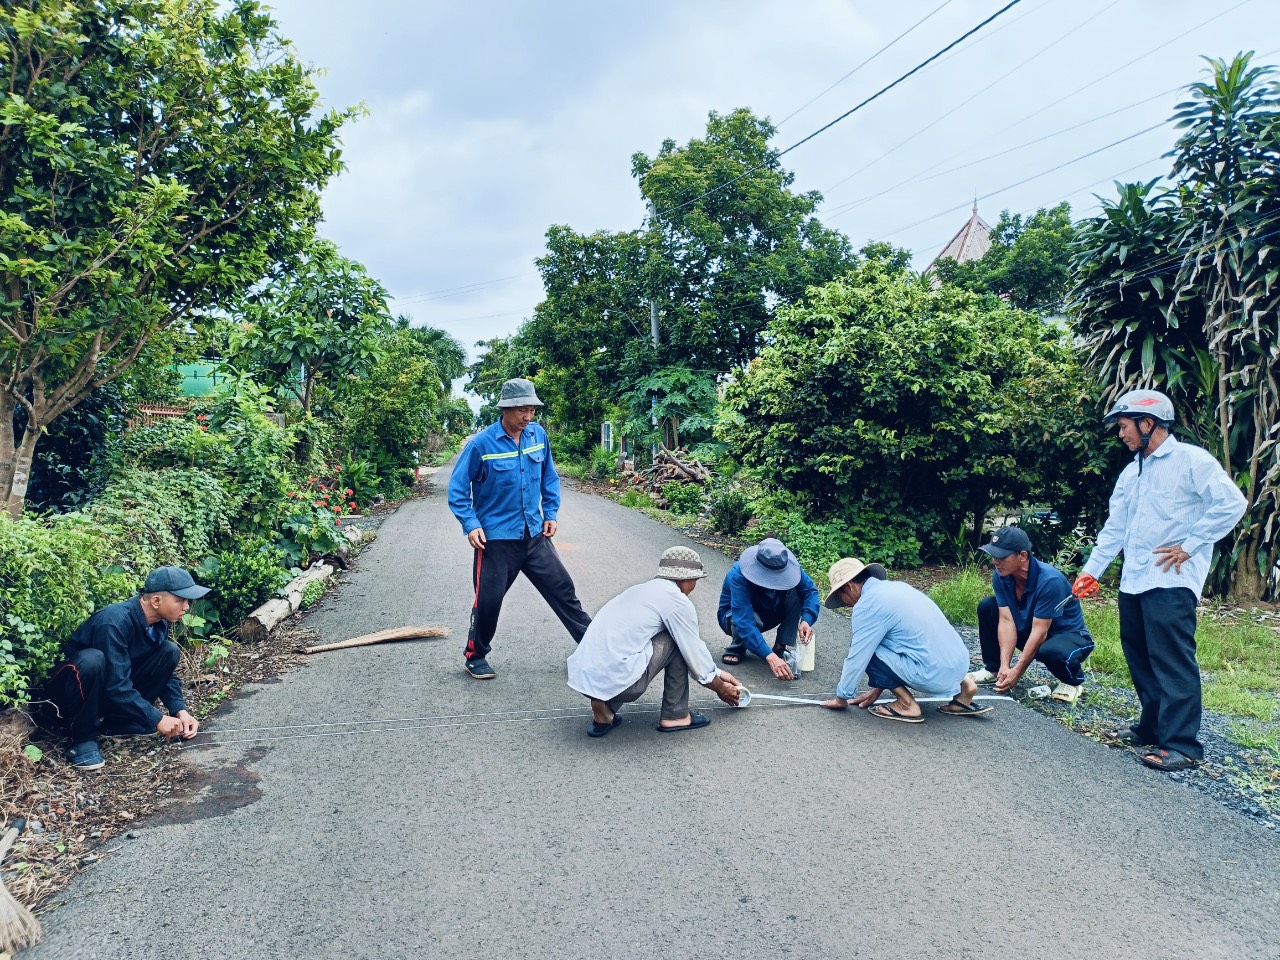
881, 675
1063, 654
1158, 634
495, 569
72, 696
788, 624
668, 660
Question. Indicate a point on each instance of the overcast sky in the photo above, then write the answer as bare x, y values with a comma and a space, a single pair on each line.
490, 121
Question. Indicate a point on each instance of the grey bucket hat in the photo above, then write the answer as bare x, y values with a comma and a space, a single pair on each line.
770, 565
518, 393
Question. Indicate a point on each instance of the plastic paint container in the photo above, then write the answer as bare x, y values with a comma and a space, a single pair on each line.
807, 651
744, 697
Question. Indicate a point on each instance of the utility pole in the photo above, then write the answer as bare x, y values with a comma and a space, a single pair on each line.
653, 331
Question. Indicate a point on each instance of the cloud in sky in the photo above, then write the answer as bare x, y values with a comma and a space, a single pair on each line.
490, 121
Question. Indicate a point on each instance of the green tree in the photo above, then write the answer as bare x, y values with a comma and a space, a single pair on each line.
1028, 263
446, 353
1189, 305
156, 158
727, 241
323, 320
885, 401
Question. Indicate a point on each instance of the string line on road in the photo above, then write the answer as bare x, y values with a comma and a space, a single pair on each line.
212, 738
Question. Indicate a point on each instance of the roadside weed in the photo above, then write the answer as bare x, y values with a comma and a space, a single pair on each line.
958, 596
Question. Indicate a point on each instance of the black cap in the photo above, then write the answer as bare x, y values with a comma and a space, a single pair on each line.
173, 580
1007, 541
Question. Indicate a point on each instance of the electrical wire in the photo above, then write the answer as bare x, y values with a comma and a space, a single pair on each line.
875, 96
819, 96
963, 103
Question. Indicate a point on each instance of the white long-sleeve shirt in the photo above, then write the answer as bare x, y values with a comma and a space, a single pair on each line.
617, 646
1181, 496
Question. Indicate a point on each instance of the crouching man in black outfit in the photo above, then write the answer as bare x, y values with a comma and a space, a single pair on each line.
119, 662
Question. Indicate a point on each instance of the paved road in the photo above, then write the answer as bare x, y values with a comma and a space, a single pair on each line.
503, 831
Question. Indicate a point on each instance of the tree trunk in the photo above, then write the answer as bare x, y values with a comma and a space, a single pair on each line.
1247, 584
8, 445
21, 475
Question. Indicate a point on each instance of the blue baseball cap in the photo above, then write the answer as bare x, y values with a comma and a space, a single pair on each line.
173, 580
1005, 542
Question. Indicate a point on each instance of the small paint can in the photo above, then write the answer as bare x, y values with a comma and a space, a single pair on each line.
744, 697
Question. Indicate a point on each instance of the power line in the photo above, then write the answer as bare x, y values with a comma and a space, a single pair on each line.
921, 178
875, 96
1000, 79
1044, 173
449, 292
814, 99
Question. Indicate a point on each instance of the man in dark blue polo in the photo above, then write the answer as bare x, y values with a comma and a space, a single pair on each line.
765, 589
1032, 611
119, 662
506, 494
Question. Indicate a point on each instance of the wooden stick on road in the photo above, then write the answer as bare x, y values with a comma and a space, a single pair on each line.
395, 633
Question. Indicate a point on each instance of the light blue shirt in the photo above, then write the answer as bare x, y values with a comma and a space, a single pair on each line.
912, 637
1182, 496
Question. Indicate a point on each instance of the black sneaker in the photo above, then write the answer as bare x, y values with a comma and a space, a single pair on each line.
480, 669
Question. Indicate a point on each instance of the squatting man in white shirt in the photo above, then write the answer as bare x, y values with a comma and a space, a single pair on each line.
648, 629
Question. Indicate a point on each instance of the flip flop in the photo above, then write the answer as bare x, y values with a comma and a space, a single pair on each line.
1122, 735
602, 729
885, 712
696, 720
1167, 760
957, 709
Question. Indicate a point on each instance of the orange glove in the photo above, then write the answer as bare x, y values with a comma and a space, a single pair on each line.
1085, 586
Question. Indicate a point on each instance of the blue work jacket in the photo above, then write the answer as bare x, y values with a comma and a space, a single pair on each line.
506, 488
742, 601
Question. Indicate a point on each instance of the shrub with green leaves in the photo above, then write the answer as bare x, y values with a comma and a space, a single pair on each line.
54, 573
683, 498
730, 510
243, 578
602, 464
157, 517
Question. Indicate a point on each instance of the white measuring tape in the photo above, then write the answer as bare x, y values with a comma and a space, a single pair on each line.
746, 696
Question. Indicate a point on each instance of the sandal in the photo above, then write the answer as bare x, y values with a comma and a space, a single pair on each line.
1167, 760
1124, 735
886, 712
732, 659
957, 709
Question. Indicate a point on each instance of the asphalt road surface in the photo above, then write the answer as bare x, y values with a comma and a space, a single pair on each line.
497, 828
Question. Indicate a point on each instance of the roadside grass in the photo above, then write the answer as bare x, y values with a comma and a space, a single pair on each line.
1239, 654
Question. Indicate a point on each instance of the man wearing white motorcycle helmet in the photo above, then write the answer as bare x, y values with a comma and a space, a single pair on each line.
1168, 509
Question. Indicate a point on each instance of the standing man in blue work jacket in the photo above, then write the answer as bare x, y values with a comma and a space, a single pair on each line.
506, 494
1171, 504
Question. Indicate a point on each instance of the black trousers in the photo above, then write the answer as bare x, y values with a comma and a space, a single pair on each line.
1158, 635
493, 571
72, 696
1063, 654
788, 625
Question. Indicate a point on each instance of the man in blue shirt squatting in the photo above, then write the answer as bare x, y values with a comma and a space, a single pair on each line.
1170, 505
900, 639
765, 589
1033, 611
119, 662
506, 494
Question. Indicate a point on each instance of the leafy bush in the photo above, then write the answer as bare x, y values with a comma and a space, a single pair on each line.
730, 510
243, 578
818, 544
310, 520
635, 499
360, 479
157, 517
312, 593
885, 396
683, 498
53, 574
602, 464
